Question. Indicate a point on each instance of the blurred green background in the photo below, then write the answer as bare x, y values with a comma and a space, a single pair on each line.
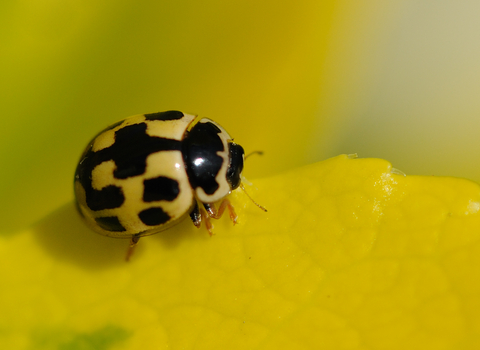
302, 81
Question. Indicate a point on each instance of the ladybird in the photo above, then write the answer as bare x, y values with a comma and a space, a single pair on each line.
146, 173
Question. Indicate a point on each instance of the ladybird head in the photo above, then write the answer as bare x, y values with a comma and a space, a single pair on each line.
235, 165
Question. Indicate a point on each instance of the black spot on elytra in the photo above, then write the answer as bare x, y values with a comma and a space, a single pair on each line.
130, 150
153, 216
109, 197
200, 149
168, 115
132, 147
110, 223
160, 188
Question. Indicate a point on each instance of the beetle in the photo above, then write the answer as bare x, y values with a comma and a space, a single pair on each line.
145, 173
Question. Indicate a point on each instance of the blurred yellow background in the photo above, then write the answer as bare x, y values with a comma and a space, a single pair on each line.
302, 81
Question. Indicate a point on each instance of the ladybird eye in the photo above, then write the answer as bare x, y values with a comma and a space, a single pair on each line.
235, 165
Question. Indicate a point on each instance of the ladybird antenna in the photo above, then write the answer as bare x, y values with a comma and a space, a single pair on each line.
260, 153
258, 205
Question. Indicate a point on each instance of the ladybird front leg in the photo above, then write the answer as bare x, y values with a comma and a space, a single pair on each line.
217, 214
208, 223
198, 215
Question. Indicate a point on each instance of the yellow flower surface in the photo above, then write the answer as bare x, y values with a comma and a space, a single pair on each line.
350, 255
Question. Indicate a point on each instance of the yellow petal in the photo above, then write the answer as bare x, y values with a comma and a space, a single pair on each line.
350, 255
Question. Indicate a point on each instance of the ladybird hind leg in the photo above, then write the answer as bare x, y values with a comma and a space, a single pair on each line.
131, 248
217, 214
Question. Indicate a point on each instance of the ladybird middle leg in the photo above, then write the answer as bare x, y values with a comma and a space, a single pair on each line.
217, 214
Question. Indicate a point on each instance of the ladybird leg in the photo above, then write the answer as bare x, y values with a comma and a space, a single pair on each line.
196, 216
131, 248
217, 214
206, 219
